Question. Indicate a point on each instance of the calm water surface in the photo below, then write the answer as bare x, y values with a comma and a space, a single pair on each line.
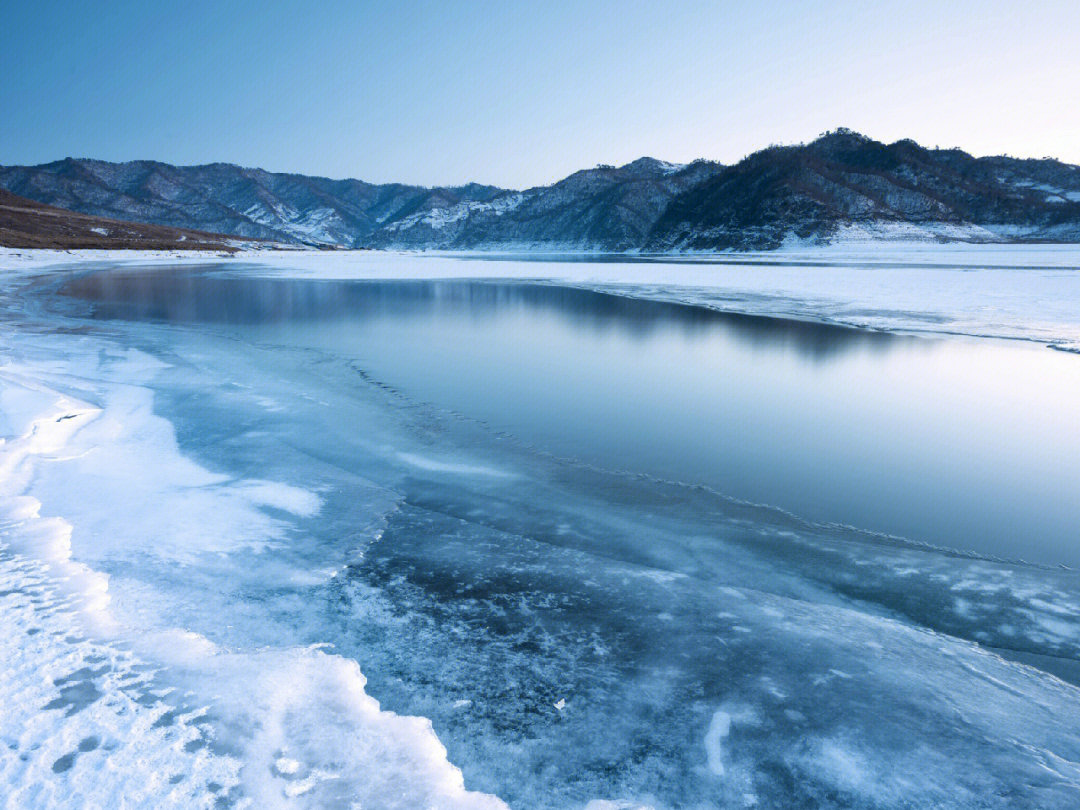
965, 443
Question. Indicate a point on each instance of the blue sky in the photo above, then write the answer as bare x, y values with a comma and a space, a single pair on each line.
518, 94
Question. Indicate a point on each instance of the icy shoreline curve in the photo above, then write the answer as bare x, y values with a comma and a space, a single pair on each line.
131, 710
1018, 292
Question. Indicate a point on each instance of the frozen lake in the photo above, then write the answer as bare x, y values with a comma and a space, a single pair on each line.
963, 443
588, 541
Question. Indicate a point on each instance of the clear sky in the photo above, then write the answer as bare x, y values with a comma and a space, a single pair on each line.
522, 93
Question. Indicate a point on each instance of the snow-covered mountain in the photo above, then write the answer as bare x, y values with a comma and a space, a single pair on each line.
842, 185
606, 208
223, 198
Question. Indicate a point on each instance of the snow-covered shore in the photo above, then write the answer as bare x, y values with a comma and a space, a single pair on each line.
89, 472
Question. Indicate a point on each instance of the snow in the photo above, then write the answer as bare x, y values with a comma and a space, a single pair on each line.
719, 728
80, 438
439, 218
917, 232
1056, 194
671, 168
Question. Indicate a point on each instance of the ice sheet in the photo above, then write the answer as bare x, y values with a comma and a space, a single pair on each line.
238, 573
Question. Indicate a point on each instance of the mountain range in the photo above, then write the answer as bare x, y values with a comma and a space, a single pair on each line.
842, 185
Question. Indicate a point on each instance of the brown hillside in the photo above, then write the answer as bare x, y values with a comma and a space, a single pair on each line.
28, 224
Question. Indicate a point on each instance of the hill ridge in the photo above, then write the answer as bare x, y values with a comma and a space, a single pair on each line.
841, 183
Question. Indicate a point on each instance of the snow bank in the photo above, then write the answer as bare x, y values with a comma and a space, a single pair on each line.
110, 707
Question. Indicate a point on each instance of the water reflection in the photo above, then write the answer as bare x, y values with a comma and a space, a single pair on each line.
179, 296
958, 442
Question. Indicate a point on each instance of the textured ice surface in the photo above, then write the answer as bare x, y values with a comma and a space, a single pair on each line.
107, 700
217, 554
